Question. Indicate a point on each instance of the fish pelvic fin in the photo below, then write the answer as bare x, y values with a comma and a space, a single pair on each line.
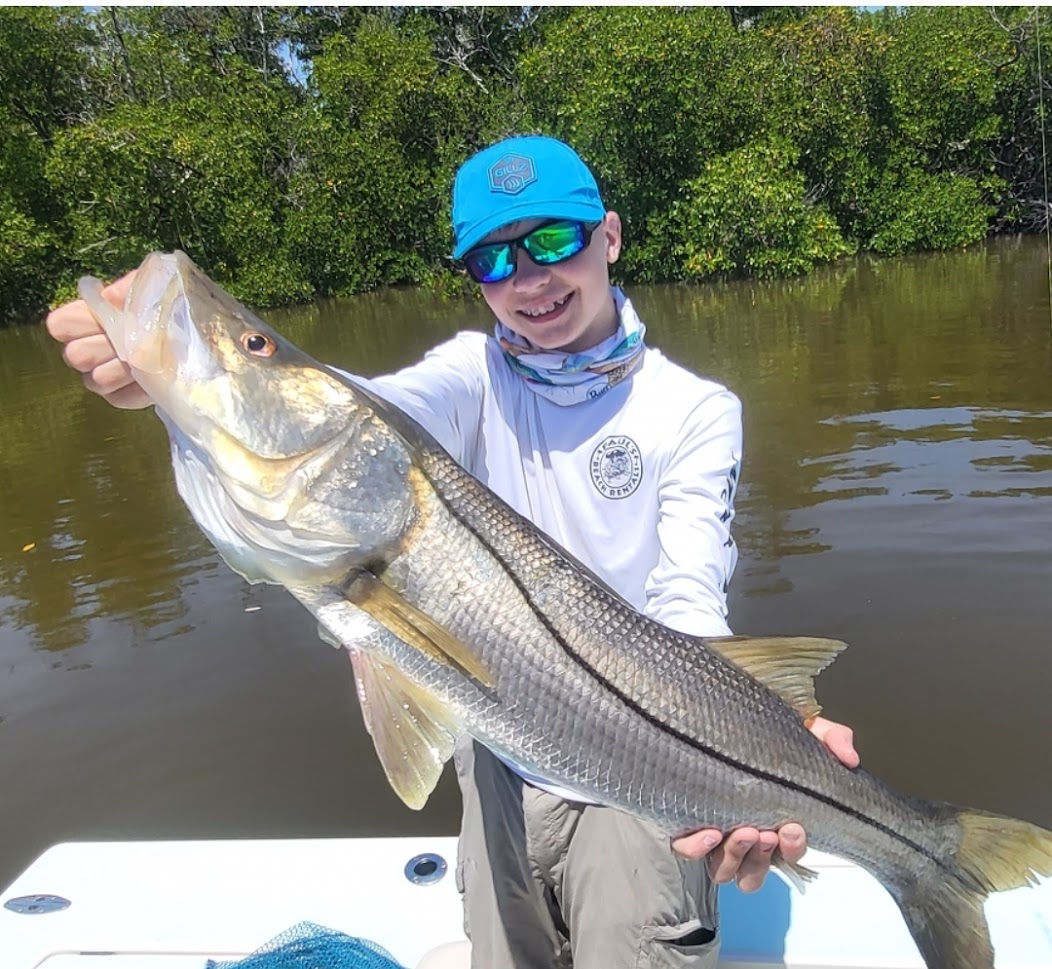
413, 627
945, 914
787, 665
413, 732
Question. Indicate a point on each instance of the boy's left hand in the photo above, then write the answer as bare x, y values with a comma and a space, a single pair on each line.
745, 854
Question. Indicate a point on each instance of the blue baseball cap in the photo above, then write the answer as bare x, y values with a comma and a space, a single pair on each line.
527, 177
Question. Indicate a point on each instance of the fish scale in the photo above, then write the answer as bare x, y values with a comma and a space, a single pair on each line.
650, 662
461, 616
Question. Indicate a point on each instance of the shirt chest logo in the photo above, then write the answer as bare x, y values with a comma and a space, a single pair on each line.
617, 467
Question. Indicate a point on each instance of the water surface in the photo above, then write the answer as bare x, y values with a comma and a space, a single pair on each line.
897, 494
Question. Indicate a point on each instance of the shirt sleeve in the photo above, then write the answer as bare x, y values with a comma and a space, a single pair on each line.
444, 393
687, 588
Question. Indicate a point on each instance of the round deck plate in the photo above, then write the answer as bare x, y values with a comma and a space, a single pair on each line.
426, 869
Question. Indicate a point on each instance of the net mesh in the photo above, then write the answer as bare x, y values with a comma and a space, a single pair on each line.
310, 946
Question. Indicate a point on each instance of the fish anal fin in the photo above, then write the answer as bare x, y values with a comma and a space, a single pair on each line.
413, 627
414, 733
786, 665
798, 875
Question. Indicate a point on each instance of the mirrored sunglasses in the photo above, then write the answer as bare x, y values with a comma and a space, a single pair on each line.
547, 245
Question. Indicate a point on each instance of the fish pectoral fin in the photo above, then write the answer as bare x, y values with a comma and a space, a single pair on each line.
413, 627
413, 732
787, 665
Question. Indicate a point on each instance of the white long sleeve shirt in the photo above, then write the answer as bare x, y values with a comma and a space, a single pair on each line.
637, 483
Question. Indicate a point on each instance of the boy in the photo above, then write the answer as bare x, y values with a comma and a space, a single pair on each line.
629, 462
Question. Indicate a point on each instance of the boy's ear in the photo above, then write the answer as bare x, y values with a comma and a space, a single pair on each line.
612, 229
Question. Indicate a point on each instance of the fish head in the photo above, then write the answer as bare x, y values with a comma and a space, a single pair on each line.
279, 458
216, 369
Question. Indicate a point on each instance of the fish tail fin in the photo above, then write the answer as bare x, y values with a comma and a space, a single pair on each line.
947, 922
945, 913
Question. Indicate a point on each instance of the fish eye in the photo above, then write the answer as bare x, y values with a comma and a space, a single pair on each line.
258, 344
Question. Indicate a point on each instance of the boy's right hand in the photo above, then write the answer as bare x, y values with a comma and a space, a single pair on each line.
89, 351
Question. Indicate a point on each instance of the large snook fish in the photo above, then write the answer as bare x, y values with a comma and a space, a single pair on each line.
461, 616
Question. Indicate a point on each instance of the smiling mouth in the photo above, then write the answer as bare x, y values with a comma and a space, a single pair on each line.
546, 311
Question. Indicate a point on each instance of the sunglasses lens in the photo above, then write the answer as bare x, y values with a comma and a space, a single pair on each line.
546, 245
555, 243
490, 264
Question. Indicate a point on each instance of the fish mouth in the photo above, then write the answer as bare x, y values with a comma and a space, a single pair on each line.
165, 334
160, 338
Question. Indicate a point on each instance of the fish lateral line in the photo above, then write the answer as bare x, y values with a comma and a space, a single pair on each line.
645, 714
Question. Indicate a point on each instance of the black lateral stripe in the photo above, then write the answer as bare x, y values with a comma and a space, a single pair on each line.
670, 731
724, 758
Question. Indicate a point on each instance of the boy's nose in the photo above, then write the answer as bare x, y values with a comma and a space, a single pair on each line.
528, 275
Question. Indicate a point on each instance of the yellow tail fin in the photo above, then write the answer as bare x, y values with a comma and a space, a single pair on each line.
945, 912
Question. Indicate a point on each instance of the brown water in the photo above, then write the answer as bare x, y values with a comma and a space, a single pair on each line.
897, 494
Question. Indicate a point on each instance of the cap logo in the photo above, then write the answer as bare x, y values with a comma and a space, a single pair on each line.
511, 173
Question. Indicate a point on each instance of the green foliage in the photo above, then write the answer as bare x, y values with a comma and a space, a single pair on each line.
28, 258
645, 95
747, 213
44, 52
369, 193
303, 151
206, 171
916, 210
940, 69
823, 91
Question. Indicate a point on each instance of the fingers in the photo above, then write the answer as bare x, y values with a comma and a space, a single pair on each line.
103, 373
745, 855
73, 320
117, 291
752, 865
697, 844
89, 351
839, 739
132, 397
792, 842
85, 353
113, 380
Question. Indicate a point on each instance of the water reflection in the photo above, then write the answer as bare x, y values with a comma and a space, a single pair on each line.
897, 492
945, 452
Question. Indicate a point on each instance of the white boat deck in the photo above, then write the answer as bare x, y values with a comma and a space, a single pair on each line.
173, 905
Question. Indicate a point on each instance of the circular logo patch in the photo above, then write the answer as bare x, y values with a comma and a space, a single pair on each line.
617, 467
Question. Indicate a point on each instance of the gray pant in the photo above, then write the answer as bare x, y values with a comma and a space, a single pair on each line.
550, 884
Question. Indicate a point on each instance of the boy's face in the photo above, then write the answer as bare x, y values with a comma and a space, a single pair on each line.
562, 307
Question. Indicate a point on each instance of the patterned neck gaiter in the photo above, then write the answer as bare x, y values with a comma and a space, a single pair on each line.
569, 378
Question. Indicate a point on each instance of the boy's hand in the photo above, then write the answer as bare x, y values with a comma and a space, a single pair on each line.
89, 351
745, 854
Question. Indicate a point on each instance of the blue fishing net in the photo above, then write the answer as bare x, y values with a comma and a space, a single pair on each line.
309, 946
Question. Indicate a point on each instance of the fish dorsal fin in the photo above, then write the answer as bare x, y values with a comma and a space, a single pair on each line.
787, 665
414, 734
413, 627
